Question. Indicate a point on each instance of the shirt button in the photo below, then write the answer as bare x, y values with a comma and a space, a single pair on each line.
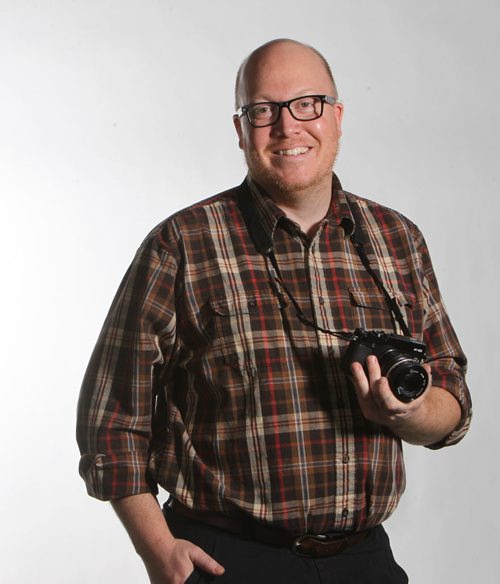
345, 458
321, 300
345, 512
252, 303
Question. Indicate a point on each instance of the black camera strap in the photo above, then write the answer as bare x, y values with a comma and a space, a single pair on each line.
300, 313
357, 238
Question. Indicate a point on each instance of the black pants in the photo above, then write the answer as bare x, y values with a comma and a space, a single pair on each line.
250, 562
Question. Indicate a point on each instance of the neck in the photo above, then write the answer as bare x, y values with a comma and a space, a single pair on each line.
307, 207
308, 217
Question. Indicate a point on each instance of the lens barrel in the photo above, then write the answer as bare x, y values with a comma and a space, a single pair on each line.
407, 378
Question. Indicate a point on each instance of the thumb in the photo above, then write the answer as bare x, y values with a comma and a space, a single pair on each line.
205, 562
427, 367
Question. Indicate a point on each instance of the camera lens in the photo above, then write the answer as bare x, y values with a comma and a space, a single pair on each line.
407, 378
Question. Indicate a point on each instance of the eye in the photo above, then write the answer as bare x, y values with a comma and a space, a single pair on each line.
306, 104
261, 110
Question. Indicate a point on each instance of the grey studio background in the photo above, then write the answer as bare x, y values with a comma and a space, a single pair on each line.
116, 113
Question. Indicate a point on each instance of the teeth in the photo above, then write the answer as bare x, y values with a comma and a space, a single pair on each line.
294, 151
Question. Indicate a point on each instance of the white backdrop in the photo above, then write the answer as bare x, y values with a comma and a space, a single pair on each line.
116, 113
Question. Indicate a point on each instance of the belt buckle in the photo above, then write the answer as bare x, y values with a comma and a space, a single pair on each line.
297, 542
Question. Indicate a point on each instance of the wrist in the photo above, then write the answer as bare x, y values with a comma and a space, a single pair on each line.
152, 549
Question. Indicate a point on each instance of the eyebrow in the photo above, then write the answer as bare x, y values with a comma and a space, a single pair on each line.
301, 93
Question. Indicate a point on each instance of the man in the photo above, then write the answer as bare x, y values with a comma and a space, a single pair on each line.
219, 372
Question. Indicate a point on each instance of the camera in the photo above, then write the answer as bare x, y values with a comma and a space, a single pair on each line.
399, 359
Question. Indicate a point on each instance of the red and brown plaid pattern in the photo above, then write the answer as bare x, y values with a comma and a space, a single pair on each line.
254, 411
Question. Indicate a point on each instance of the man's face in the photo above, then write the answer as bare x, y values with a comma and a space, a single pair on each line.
292, 156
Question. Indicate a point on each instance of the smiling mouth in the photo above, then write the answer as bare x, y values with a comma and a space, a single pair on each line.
293, 151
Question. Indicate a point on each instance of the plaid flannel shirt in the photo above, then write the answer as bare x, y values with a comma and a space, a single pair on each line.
206, 382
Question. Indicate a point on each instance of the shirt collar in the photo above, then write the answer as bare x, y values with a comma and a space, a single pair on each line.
262, 214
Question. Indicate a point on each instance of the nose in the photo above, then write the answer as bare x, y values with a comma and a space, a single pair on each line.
286, 124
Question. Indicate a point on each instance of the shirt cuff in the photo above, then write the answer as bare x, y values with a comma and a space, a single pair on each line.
117, 475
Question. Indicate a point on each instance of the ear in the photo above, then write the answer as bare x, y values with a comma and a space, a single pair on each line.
339, 115
239, 130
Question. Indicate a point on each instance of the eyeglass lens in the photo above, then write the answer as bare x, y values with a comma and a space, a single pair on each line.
301, 108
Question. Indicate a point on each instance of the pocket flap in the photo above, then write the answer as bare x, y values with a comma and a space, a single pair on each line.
243, 305
373, 298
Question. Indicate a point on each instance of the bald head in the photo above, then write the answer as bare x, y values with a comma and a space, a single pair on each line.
277, 49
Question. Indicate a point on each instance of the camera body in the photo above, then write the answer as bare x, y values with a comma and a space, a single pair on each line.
399, 357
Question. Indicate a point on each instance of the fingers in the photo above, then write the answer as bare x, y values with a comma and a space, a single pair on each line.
371, 382
182, 558
361, 383
381, 390
427, 367
205, 562
375, 396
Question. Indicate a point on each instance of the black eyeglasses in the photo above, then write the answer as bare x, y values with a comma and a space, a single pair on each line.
267, 113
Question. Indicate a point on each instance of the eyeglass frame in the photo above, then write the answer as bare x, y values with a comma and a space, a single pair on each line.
243, 110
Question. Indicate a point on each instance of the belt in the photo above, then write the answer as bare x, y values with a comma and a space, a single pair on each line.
308, 545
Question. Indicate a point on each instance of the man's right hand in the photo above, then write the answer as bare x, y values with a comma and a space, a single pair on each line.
168, 560
178, 561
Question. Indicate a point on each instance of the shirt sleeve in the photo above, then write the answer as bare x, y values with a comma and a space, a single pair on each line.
116, 399
445, 356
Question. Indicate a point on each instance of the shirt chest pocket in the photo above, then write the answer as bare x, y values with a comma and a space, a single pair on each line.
246, 331
370, 311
